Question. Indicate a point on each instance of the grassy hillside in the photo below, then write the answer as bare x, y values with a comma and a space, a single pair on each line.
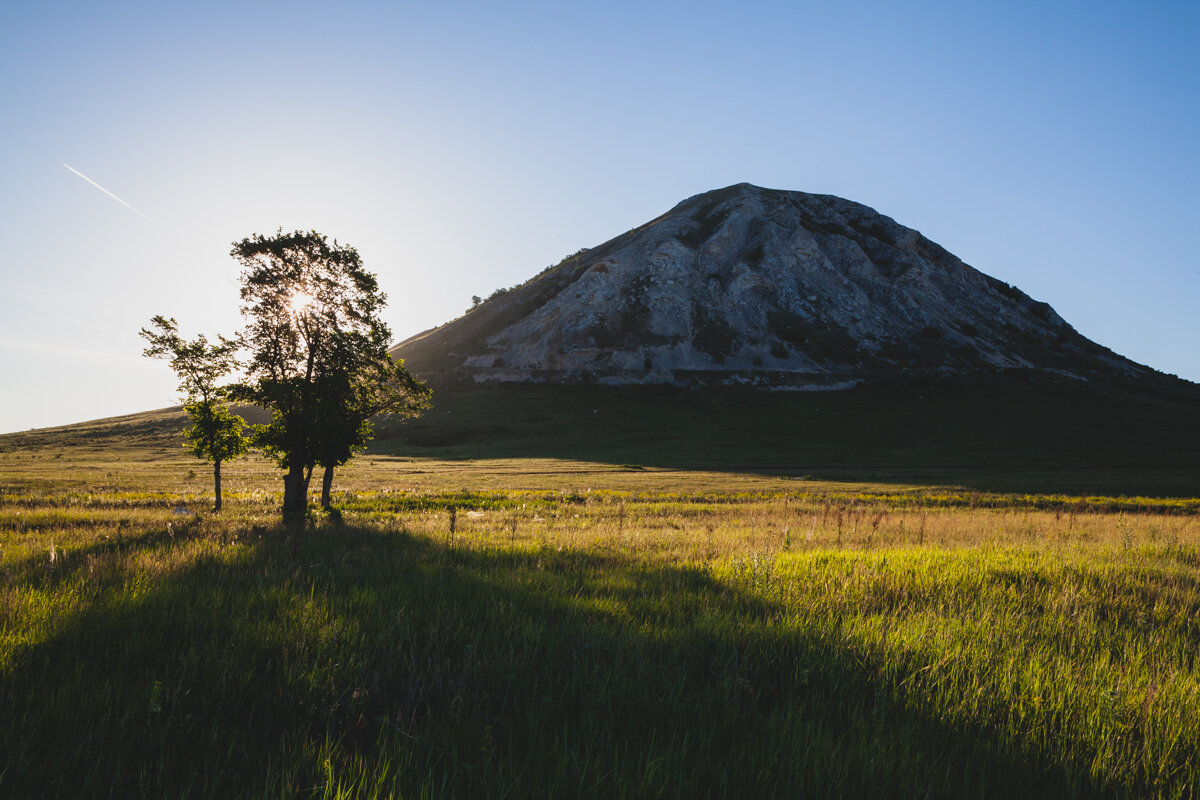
1023, 433
1010, 433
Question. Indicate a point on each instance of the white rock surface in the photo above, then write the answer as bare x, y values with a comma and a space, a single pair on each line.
745, 284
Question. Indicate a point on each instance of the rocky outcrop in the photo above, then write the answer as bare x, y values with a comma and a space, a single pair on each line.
752, 285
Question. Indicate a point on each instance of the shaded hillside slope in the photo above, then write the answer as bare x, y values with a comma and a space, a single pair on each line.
1021, 431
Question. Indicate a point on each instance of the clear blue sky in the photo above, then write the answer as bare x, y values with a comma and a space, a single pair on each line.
464, 146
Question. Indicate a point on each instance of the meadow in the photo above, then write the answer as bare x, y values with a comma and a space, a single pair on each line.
514, 627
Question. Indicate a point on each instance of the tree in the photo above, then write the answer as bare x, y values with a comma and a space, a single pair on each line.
318, 354
215, 432
346, 406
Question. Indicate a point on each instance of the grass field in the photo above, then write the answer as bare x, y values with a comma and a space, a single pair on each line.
1010, 434
536, 626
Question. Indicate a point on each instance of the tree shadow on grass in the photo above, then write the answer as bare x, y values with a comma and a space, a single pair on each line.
415, 667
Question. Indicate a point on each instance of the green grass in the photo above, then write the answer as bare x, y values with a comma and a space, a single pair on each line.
587, 629
982, 588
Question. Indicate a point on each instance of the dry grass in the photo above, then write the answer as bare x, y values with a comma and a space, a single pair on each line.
547, 627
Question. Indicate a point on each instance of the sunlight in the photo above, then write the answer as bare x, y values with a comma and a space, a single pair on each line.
301, 301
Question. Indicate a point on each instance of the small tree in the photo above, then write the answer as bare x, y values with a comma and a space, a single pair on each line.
215, 432
318, 353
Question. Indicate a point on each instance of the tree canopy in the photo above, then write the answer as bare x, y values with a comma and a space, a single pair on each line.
318, 355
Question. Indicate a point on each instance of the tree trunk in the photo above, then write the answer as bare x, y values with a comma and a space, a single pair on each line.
217, 482
326, 485
295, 494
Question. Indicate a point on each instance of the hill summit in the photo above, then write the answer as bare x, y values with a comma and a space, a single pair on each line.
764, 287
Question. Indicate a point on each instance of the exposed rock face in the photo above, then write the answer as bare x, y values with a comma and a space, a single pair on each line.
745, 284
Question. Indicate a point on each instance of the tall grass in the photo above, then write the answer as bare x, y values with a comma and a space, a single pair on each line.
612, 642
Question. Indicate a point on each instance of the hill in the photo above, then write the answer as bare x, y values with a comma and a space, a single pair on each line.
657, 348
745, 285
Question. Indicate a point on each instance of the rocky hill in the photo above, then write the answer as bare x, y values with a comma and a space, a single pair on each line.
764, 287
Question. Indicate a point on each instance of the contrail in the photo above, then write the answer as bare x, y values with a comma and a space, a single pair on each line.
107, 192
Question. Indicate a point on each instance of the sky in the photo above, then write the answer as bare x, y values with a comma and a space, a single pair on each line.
462, 147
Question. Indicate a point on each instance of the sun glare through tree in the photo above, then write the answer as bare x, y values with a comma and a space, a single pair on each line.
301, 301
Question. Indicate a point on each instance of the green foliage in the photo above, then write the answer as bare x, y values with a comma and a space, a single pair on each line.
346, 404
198, 364
215, 433
320, 366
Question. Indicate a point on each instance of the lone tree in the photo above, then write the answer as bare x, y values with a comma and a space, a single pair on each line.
318, 355
215, 432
